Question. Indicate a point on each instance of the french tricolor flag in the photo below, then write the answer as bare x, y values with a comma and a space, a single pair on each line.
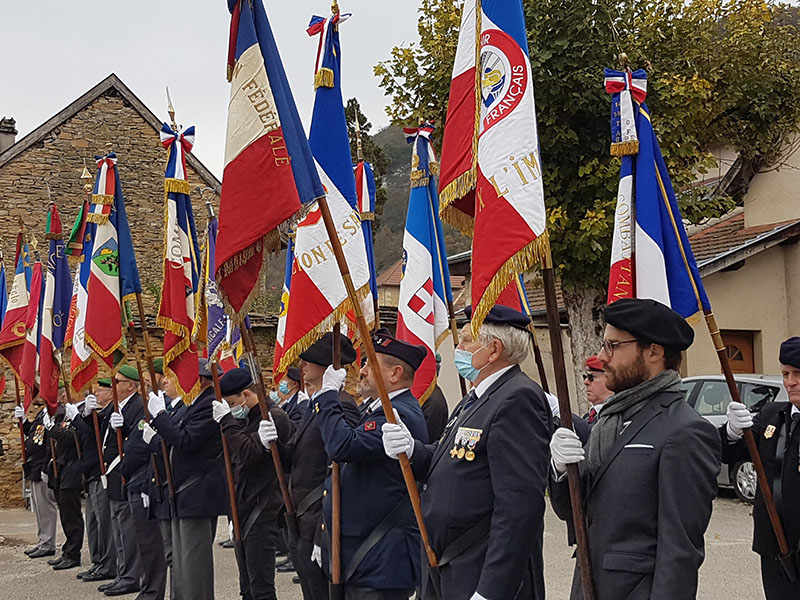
12, 335
269, 170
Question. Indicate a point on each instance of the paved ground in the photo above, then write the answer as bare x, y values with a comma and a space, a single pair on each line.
730, 570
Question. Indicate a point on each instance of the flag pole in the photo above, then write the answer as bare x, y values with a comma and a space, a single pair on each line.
98, 441
226, 453
115, 400
372, 358
537, 353
69, 400
20, 421
576, 500
335, 588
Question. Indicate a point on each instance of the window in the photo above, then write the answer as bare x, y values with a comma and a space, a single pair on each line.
713, 398
756, 395
687, 387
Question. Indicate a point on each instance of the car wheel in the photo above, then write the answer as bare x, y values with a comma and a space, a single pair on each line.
744, 481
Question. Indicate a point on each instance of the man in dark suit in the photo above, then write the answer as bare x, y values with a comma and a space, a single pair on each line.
594, 380
649, 473
201, 492
289, 393
258, 495
380, 539
435, 409
778, 439
484, 482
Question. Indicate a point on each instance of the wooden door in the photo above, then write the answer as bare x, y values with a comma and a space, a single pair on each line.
739, 347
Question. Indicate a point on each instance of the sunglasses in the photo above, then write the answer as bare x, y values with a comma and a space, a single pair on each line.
591, 376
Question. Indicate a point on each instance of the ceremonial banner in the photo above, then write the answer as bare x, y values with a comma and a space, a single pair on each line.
216, 321
232, 349
664, 267
13, 332
83, 364
29, 365
280, 336
269, 170
422, 314
3, 305
181, 269
490, 156
113, 275
55, 310
77, 236
365, 190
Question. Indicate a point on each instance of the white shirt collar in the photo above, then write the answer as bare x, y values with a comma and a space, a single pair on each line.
795, 410
124, 402
376, 403
598, 407
481, 388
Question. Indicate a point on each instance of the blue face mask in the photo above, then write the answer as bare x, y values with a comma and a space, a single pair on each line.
463, 362
240, 412
273, 395
284, 387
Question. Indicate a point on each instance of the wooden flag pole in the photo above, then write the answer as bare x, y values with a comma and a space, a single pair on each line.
785, 556
576, 499
250, 346
336, 589
226, 453
115, 399
20, 421
69, 400
98, 441
372, 358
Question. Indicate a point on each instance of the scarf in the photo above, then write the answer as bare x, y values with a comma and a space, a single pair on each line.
619, 409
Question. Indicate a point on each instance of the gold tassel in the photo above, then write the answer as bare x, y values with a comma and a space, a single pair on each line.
625, 148
105, 199
176, 186
368, 216
99, 219
323, 78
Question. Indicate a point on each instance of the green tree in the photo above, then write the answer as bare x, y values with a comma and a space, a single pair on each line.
721, 72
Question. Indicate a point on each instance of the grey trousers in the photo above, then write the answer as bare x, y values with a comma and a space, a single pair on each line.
192, 557
98, 529
128, 567
43, 502
166, 541
151, 551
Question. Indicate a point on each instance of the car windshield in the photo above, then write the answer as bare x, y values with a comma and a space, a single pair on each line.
713, 396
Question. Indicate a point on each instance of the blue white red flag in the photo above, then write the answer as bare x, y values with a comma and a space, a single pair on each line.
83, 367
177, 311
215, 311
491, 173
365, 190
422, 313
113, 274
29, 365
232, 349
55, 310
3, 305
280, 336
13, 332
269, 171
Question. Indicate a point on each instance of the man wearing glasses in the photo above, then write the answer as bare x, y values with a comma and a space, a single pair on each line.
596, 391
648, 472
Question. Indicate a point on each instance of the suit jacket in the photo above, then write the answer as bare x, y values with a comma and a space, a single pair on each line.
89, 464
158, 484
132, 413
372, 486
37, 447
648, 505
196, 454
66, 438
305, 458
257, 486
779, 448
294, 408
435, 411
492, 461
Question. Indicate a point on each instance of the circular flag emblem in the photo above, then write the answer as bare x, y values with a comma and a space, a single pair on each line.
504, 76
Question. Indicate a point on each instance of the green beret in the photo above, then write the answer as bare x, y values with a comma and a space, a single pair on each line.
129, 371
158, 365
104, 382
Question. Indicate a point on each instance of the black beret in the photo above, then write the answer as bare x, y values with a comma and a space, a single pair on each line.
650, 322
408, 353
790, 352
321, 353
204, 367
503, 315
293, 373
235, 381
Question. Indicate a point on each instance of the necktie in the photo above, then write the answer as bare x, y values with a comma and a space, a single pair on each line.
471, 397
592, 415
795, 419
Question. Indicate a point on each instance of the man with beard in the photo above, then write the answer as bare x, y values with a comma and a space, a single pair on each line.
778, 438
648, 474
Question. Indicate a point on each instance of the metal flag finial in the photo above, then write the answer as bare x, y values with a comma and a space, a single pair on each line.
335, 7
623, 59
86, 177
171, 111
359, 146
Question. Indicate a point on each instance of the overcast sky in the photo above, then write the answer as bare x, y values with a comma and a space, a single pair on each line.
54, 51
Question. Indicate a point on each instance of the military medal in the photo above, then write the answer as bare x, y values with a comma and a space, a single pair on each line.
141, 425
453, 452
461, 453
470, 455
769, 431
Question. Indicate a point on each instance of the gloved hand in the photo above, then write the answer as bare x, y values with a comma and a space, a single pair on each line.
316, 555
220, 409
116, 421
48, 421
71, 411
19, 412
44, 476
739, 419
145, 500
156, 403
396, 438
89, 404
477, 596
148, 433
267, 432
565, 448
333, 379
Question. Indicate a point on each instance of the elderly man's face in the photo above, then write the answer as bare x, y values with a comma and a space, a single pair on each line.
791, 381
125, 386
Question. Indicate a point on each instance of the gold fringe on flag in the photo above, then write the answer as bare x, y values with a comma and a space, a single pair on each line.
81, 367
368, 216
523, 260
176, 186
105, 199
323, 78
97, 218
455, 190
433, 167
625, 148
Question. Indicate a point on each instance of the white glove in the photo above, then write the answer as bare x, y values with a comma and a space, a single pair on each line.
116, 421
47, 421
145, 500
156, 403
333, 380
565, 448
220, 409
739, 419
89, 404
148, 433
44, 476
71, 411
316, 555
267, 432
397, 438
19, 413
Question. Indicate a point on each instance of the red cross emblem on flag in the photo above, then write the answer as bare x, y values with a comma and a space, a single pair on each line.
422, 301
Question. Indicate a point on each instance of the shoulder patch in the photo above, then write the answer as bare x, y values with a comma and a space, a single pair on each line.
370, 426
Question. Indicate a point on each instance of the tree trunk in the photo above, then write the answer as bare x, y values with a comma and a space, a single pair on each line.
584, 306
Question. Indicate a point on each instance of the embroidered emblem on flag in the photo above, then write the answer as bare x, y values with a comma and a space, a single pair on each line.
422, 301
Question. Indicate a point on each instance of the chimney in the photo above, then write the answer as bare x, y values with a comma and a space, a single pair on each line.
8, 133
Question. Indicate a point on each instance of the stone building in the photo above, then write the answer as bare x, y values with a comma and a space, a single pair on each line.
107, 117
